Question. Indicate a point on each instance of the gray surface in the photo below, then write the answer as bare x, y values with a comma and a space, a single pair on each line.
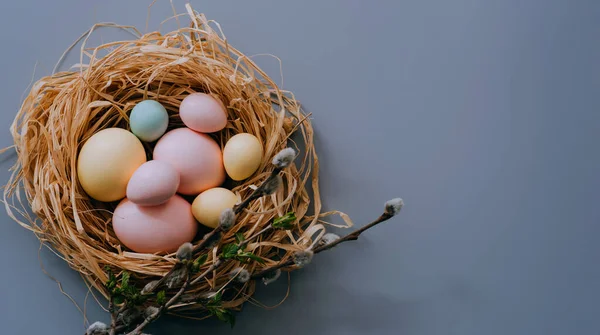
483, 115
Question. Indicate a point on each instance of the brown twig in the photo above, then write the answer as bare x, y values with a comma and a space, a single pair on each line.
354, 235
218, 262
200, 246
268, 270
210, 269
113, 318
115, 327
349, 237
164, 278
265, 188
122, 309
173, 300
257, 193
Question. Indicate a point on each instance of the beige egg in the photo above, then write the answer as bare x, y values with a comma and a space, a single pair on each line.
106, 162
208, 205
242, 156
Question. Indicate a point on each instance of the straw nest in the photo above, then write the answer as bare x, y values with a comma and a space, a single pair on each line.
63, 110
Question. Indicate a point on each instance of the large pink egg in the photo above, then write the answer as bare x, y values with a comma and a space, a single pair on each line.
196, 157
151, 229
153, 183
203, 113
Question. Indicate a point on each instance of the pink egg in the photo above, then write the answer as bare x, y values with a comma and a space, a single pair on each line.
196, 157
203, 113
153, 183
151, 229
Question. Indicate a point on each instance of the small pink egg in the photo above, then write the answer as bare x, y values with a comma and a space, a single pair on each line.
197, 158
153, 183
203, 113
151, 229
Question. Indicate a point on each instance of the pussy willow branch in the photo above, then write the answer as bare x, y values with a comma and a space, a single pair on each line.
114, 327
218, 262
173, 300
257, 193
207, 238
113, 317
165, 277
354, 235
349, 237
210, 269
283, 159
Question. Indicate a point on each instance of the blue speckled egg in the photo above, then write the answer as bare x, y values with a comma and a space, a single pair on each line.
149, 120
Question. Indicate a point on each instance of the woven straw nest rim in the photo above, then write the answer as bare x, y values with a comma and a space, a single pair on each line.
63, 110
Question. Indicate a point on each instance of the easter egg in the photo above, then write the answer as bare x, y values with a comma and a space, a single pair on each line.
242, 155
106, 162
153, 183
203, 113
208, 205
151, 229
196, 157
148, 120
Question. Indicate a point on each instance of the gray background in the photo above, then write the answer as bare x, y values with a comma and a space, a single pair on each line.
483, 115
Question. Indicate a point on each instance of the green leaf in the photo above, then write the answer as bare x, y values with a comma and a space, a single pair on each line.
219, 314
229, 251
198, 263
215, 301
128, 291
133, 299
117, 291
239, 237
285, 222
161, 298
111, 282
231, 318
118, 299
226, 316
214, 308
133, 295
201, 260
248, 255
110, 285
125, 280
223, 315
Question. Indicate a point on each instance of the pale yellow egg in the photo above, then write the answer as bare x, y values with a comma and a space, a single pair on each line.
242, 156
208, 205
106, 162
